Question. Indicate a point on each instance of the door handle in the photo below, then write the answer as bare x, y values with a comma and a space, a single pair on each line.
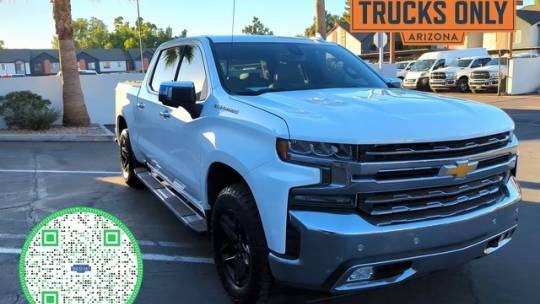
165, 114
140, 105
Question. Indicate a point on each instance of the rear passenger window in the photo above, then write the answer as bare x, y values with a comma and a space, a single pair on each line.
192, 69
166, 67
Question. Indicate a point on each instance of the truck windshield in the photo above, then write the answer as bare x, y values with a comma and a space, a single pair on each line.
495, 61
248, 68
423, 65
463, 63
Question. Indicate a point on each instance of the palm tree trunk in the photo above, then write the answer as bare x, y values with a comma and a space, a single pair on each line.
320, 25
75, 113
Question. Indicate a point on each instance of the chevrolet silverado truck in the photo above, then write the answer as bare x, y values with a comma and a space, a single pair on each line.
306, 168
487, 78
456, 75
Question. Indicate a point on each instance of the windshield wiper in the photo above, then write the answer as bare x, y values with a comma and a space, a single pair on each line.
257, 92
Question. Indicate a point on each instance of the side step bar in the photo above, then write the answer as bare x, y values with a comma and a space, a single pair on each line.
175, 202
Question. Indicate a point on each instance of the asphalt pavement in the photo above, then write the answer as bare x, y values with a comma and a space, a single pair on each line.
37, 179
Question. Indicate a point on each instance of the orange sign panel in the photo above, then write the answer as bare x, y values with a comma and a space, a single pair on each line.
432, 37
432, 15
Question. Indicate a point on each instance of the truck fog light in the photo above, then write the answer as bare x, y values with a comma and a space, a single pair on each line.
361, 274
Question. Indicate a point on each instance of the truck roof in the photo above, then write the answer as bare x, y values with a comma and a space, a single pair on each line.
247, 38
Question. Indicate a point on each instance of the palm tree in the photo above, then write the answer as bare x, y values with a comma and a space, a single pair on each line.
320, 13
75, 113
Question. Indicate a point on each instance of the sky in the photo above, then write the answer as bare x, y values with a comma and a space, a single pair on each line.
29, 23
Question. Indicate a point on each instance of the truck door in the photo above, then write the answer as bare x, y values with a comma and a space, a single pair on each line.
150, 112
181, 151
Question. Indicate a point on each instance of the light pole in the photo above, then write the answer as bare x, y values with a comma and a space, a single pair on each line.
140, 36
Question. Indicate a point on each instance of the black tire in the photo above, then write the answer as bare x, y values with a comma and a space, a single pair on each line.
128, 163
463, 85
240, 249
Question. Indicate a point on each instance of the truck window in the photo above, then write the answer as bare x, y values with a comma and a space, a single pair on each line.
439, 64
166, 66
192, 69
256, 68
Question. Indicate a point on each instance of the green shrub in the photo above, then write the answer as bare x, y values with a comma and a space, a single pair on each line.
26, 110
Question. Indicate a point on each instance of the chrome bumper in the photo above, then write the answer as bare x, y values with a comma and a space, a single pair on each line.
332, 245
442, 83
483, 84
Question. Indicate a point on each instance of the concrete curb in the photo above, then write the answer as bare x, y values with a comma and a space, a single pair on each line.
108, 136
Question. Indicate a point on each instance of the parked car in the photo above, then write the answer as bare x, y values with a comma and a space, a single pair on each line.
418, 76
306, 168
456, 75
487, 77
403, 67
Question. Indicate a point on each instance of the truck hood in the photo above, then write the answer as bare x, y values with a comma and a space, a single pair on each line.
449, 69
417, 74
369, 116
489, 68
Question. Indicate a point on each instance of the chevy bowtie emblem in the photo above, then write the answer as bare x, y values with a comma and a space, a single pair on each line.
460, 169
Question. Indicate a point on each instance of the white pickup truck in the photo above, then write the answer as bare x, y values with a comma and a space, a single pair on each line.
306, 168
456, 74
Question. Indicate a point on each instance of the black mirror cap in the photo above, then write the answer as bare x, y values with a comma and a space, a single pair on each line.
177, 93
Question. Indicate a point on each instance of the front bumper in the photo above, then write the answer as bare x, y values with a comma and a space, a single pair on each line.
442, 83
332, 245
484, 84
422, 82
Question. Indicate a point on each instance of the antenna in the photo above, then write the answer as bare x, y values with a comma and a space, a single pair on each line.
233, 19
232, 38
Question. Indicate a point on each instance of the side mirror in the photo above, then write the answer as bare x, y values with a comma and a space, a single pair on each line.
178, 94
393, 82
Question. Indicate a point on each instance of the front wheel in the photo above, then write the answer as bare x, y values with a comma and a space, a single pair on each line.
128, 163
240, 249
463, 85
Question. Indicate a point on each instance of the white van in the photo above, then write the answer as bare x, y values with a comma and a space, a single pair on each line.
418, 76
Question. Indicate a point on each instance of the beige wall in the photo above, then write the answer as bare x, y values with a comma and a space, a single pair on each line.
345, 39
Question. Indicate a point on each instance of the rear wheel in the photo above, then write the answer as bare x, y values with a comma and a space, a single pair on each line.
128, 163
463, 85
240, 249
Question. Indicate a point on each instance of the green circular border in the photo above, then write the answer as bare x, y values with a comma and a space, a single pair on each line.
72, 210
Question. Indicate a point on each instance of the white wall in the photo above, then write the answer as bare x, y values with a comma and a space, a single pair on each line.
388, 70
98, 92
116, 66
524, 76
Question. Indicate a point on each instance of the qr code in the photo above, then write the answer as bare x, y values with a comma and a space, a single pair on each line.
81, 255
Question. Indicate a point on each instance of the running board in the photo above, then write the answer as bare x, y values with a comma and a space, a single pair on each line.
176, 203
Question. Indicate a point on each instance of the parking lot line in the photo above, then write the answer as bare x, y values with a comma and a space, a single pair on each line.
58, 171
146, 256
144, 243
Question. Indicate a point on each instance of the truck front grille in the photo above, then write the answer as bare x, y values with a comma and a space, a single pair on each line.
420, 151
438, 75
480, 75
387, 208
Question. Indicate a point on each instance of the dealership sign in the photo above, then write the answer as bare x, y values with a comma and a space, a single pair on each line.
432, 21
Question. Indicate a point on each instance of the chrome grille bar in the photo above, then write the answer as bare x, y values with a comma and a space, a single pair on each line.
433, 193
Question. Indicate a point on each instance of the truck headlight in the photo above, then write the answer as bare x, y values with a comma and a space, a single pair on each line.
304, 151
451, 75
494, 74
